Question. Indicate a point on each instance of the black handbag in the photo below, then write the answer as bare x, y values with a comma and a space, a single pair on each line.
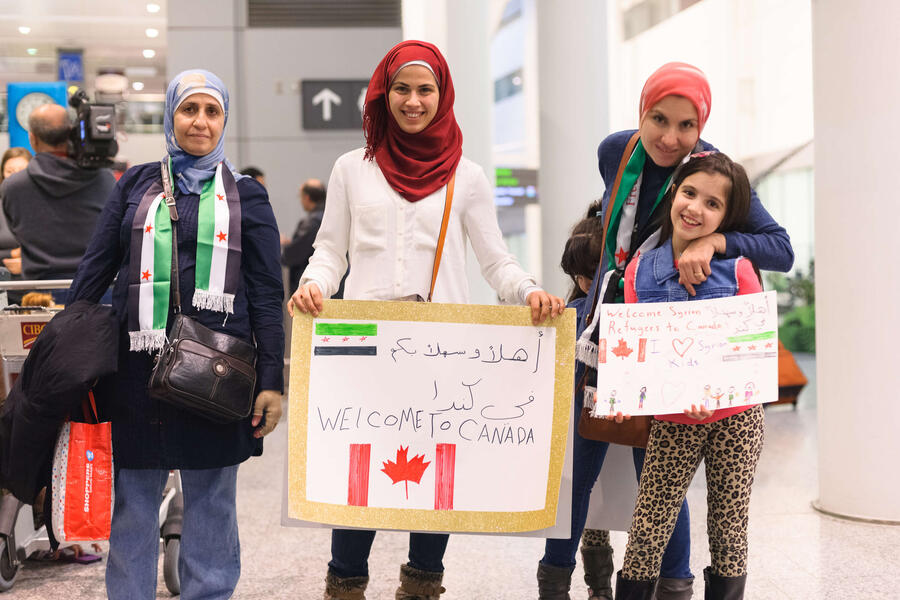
206, 372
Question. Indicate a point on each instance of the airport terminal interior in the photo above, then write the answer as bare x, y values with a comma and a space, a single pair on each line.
802, 96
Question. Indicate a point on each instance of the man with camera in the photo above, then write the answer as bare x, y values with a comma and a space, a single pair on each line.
53, 205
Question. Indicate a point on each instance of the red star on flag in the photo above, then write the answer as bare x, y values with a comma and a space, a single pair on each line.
751, 347
621, 255
769, 345
220, 196
146, 274
363, 338
325, 339
221, 235
736, 348
346, 339
148, 228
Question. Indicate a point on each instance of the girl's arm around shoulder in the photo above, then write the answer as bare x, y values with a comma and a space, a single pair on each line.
748, 282
261, 271
103, 256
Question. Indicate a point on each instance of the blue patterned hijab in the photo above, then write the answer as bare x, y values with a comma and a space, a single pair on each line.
191, 171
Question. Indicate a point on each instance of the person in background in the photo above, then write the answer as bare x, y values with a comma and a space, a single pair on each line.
239, 293
255, 173
14, 160
297, 251
384, 208
52, 205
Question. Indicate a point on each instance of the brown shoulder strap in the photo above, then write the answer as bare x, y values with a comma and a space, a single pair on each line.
448, 200
623, 162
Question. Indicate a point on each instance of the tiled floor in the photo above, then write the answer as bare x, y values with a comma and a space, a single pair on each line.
795, 553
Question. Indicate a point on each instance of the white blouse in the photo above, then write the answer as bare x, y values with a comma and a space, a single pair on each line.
391, 241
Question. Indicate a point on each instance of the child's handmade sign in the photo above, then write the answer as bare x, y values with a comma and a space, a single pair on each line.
428, 417
660, 358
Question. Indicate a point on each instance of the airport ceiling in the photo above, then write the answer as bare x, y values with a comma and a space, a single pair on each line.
113, 34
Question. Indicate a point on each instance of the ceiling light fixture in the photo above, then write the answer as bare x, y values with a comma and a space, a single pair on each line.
31, 51
149, 53
151, 32
137, 85
153, 8
24, 30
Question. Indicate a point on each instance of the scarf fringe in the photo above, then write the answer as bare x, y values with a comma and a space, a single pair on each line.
213, 301
147, 340
586, 352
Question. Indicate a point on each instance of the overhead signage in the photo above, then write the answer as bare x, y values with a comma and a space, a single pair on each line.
333, 103
515, 187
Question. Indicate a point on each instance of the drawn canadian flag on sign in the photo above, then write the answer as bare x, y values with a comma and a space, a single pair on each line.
405, 470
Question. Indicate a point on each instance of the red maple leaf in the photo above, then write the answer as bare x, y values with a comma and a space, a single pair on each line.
622, 350
404, 470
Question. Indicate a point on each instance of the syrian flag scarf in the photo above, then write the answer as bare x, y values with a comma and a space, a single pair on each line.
218, 259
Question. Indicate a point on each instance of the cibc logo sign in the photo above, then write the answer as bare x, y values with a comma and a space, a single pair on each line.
30, 331
88, 480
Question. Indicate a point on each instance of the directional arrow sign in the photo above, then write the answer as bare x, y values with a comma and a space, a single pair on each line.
333, 103
326, 98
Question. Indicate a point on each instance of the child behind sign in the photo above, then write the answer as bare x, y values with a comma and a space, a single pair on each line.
709, 194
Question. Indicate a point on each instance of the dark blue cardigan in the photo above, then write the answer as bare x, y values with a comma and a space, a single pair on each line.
146, 432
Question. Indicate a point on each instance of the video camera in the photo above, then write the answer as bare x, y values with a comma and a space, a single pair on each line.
92, 142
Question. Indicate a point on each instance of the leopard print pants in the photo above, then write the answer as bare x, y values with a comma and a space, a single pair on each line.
731, 449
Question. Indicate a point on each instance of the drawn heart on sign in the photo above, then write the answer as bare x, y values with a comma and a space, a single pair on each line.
671, 392
682, 346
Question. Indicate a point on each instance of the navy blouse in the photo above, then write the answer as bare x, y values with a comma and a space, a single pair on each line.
148, 433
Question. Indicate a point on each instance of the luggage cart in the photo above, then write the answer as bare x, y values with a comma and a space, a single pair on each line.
19, 327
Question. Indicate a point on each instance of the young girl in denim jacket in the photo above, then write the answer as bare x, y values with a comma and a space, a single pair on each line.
709, 194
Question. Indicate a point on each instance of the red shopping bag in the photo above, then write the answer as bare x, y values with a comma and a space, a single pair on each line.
82, 481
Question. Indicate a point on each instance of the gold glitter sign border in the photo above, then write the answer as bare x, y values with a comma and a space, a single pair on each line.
420, 519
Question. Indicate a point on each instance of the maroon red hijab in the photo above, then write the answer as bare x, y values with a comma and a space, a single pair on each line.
414, 164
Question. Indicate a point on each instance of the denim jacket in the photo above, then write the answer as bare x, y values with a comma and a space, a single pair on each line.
656, 278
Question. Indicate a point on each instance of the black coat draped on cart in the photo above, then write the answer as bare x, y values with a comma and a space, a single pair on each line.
76, 348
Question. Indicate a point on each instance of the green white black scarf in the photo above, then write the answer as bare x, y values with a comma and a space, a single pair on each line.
617, 249
218, 259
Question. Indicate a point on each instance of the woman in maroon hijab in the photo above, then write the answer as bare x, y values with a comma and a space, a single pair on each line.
384, 209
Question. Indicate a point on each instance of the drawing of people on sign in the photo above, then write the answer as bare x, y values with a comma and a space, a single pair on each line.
730, 395
706, 396
612, 402
749, 391
642, 397
718, 396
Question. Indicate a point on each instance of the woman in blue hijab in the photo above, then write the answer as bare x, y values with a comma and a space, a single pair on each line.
230, 281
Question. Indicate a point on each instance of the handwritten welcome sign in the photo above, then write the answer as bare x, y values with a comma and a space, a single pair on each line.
431, 417
660, 358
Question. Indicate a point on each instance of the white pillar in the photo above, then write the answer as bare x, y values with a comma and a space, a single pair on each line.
460, 30
856, 95
574, 118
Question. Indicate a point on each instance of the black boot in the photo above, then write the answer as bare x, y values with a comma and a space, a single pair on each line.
345, 588
631, 589
416, 584
554, 582
723, 588
598, 570
671, 588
